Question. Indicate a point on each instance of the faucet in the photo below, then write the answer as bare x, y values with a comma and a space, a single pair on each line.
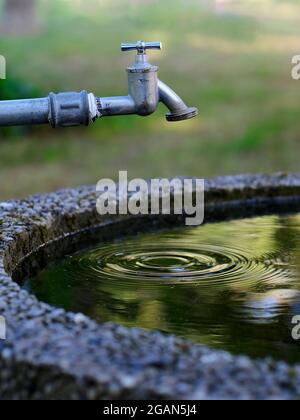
69, 109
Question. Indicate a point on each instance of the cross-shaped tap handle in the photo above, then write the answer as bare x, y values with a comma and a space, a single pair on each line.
141, 46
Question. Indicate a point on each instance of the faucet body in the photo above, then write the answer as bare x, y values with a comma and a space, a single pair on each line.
68, 109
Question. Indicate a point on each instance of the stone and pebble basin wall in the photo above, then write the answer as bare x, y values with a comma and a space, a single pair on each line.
52, 354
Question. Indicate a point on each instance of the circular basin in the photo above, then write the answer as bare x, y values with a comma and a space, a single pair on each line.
50, 353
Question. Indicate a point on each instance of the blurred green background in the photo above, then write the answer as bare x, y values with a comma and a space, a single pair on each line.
232, 59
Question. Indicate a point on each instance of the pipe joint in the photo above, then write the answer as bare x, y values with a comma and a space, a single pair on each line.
72, 109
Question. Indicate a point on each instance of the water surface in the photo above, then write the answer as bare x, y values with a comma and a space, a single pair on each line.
232, 285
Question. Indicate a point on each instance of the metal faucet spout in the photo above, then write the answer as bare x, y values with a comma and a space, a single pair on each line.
179, 111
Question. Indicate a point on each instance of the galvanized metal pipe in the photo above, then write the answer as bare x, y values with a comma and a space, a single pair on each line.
24, 112
116, 105
59, 110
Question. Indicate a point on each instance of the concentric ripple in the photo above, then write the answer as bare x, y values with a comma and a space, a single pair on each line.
233, 285
177, 262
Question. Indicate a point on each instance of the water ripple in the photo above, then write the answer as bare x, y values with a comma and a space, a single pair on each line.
232, 285
178, 262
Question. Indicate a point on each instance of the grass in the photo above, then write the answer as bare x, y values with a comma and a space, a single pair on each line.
235, 67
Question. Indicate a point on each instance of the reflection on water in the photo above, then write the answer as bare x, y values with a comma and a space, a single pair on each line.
233, 285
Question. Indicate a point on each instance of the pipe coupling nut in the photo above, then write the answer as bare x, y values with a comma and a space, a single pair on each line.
69, 109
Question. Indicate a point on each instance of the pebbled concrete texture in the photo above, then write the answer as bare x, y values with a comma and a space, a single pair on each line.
52, 354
